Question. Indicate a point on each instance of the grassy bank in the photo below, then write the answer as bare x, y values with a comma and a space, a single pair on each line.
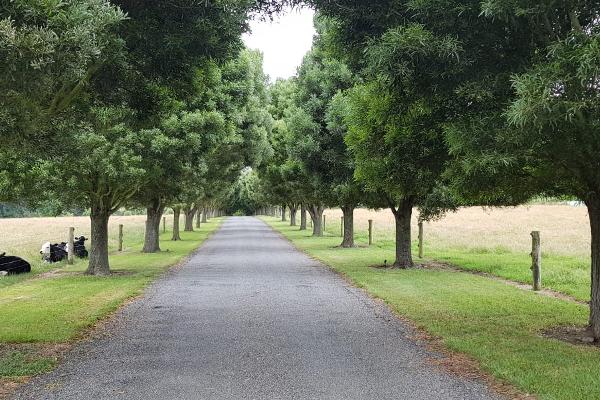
497, 241
498, 325
56, 307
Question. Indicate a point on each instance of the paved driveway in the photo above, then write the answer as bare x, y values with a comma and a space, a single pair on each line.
250, 317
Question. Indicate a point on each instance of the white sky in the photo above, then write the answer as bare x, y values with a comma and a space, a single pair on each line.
283, 42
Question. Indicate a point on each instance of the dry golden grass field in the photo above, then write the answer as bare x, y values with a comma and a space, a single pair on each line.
564, 229
495, 241
25, 236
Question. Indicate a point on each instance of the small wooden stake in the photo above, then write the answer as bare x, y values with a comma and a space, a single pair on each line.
71, 246
536, 260
370, 232
120, 237
164, 224
341, 226
420, 239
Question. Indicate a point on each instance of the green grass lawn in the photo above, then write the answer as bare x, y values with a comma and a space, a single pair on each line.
56, 309
563, 273
496, 324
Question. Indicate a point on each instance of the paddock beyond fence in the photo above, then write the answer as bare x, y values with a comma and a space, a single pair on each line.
24, 236
565, 228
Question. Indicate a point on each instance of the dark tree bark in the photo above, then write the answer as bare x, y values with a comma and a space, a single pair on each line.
98, 261
302, 217
205, 215
348, 240
403, 215
198, 216
154, 214
316, 214
189, 212
283, 218
593, 206
293, 212
176, 213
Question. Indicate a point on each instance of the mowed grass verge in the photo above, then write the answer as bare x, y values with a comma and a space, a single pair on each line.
565, 274
498, 325
58, 307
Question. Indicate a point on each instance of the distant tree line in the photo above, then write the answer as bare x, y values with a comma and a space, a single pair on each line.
46, 208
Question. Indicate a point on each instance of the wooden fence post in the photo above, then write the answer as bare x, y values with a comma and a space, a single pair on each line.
120, 237
341, 226
164, 224
323, 224
421, 239
536, 260
71, 246
370, 232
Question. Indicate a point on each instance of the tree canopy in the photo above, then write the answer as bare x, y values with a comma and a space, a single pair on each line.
405, 104
107, 104
487, 103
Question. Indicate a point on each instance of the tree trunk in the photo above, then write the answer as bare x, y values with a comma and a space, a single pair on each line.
189, 213
316, 214
348, 240
403, 216
293, 212
152, 234
302, 217
283, 218
198, 217
204, 216
593, 206
98, 261
176, 213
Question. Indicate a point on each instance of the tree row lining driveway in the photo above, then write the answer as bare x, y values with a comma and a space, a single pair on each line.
250, 317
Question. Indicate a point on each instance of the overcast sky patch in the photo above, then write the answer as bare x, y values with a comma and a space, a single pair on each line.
283, 42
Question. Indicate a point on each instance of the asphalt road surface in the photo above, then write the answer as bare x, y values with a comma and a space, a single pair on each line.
250, 317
